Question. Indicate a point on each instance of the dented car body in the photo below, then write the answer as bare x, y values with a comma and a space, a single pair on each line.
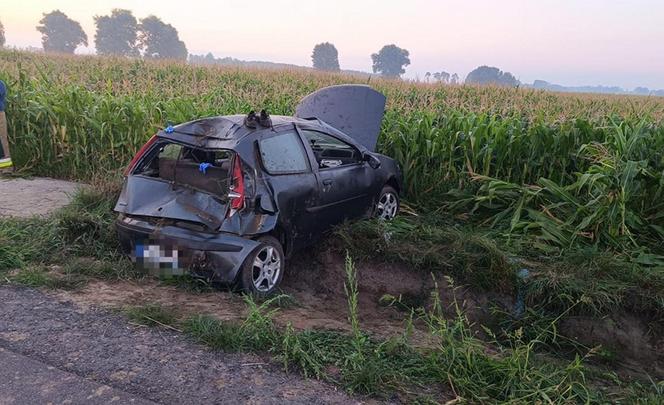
230, 198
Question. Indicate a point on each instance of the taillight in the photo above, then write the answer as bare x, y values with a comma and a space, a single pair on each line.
140, 154
237, 188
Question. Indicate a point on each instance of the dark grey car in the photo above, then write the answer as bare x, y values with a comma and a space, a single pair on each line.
230, 198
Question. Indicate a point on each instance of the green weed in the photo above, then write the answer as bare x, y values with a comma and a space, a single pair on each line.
152, 315
216, 334
32, 277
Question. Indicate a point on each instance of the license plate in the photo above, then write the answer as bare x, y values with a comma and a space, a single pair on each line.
158, 259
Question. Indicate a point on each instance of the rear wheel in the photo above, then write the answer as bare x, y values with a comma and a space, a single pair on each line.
263, 270
387, 206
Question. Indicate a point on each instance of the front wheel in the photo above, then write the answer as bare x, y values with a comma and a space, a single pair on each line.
263, 270
387, 206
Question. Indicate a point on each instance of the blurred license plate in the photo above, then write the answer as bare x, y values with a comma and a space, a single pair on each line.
158, 259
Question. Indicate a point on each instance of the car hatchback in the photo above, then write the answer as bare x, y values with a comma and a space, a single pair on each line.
230, 198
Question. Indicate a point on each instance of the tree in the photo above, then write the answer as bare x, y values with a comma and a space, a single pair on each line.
642, 90
454, 79
160, 40
116, 34
441, 77
325, 57
491, 75
60, 33
390, 61
2, 35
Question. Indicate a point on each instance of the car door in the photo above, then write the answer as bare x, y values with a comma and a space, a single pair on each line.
294, 185
344, 179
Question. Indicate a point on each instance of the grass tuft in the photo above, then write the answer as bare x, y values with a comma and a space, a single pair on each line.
152, 315
87, 224
32, 277
219, 335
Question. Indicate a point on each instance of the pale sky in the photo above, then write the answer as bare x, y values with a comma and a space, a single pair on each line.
569, 42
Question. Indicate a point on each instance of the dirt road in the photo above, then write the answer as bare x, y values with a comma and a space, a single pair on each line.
26, 197
52, 351
27, 381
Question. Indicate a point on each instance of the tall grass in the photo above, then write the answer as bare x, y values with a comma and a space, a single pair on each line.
589, 280
567, 169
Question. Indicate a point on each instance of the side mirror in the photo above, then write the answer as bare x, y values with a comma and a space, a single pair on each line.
373, 161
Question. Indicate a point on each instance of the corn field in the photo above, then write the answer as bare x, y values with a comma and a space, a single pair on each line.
564, 169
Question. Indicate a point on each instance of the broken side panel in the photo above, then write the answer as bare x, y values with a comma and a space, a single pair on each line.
355, 110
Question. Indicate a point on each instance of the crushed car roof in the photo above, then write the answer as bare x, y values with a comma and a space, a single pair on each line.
225, 126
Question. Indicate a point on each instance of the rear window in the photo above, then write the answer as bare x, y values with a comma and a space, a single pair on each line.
283, 153
203, 169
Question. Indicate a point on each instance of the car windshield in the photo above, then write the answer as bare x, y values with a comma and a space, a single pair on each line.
206, 170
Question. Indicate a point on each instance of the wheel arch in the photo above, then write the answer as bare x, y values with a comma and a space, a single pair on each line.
392, 182
283, 236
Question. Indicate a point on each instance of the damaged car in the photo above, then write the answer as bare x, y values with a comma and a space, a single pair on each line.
230, 198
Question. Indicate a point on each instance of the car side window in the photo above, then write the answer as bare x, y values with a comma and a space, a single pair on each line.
283, 153
330, 151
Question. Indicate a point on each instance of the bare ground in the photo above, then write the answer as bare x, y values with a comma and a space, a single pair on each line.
316, 284
27, 197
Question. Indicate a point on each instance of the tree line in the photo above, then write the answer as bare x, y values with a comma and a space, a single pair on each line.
120, 33
391, 61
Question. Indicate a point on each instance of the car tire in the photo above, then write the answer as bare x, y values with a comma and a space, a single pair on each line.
387, 204
263, 269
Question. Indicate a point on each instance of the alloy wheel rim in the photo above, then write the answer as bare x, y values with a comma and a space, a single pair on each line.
387, 206
266, 269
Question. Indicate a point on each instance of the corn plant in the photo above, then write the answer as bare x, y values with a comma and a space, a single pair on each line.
566, 169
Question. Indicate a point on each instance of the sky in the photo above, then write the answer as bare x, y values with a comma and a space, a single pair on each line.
569, 42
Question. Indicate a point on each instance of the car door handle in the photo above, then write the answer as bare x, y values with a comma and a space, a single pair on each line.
327, 185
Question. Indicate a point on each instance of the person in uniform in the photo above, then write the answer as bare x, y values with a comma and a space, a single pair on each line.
5, 158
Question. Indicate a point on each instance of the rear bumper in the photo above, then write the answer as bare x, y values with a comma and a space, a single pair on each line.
216, 255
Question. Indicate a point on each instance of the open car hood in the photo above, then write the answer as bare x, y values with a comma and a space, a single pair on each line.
355, 110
